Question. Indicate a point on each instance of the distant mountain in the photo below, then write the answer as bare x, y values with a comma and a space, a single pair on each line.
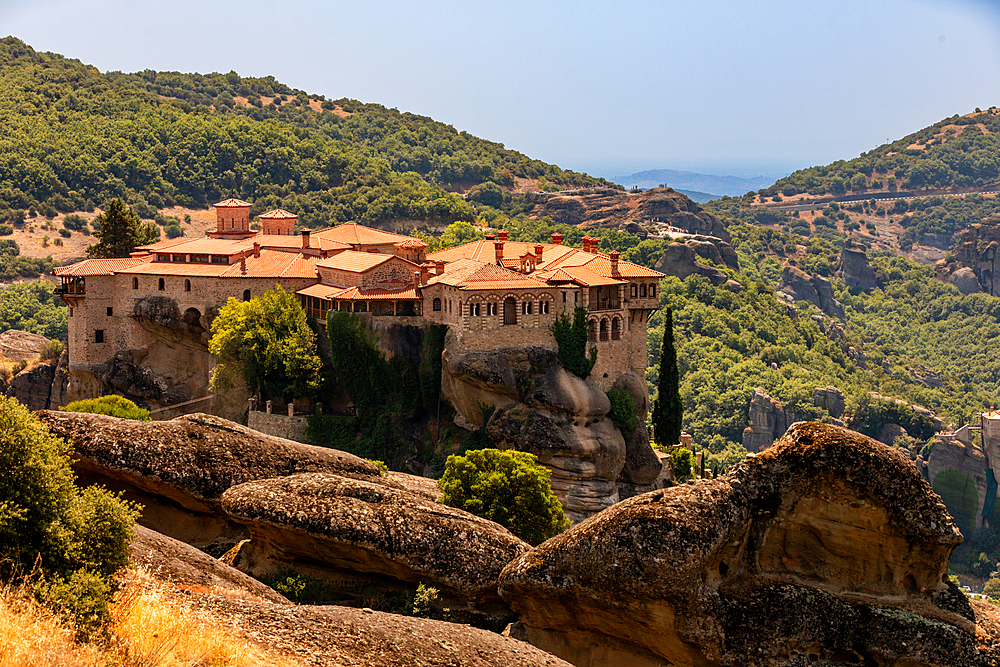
699, 197
733, 186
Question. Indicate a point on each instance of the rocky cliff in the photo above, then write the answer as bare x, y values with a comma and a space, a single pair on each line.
826, 549
797, 285
768, 421
855, 269
977, 249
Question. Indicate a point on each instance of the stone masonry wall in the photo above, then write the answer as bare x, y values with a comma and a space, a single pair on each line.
281, 426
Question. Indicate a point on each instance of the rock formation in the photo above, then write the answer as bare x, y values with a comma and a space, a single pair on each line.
826, 549
362, 539
965, 280
21, 345
628, 211
957, 472
830, 399
642, 465
977, 249
543, 409
768, 421
179, 468
32, 387
817, 290
855, 269
680, 260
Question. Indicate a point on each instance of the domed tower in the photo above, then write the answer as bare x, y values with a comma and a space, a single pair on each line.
232, 218
278, 222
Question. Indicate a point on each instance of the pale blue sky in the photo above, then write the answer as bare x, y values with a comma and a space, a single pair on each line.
707, 85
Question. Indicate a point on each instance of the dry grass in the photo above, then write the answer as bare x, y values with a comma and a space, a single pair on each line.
151, 626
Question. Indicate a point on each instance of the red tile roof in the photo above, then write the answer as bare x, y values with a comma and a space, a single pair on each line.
232, 203
270, 264
99, 267
355, 262
277, 214
411, 243
353, 233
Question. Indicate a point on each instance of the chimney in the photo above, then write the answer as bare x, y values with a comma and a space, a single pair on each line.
498, 246
538, 251
256, 249
503, 234
490, 236
305, 239
614, 262
243, 264
439, 267
557, 239
423, 274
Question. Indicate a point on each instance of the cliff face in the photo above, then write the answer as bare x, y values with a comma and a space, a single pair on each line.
977, 249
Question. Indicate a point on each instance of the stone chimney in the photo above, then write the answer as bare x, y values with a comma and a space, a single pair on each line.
557, 239
538, 251
423, 274
243, 264
614, 262
256, 249
305, 239
498, 246
439, 267
490, 236
503, 234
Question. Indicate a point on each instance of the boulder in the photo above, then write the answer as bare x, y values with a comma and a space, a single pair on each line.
826, 549
927, 377
364, 539
21, 345
732, 286
855, 269
830, 399
642, 466
32, 387
543, 409
887, 436
958, 473
178, 469
679, 260
817, 290
965, 280
768, 421
859, 358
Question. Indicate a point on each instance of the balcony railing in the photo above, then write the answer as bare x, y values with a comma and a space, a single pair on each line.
605, 304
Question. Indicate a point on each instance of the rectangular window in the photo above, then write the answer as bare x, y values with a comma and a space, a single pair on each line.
71, 312
220, 259
199, 259
642, 291
652, 290
179, 258
110, 310
543, 308
163, 258
635, 291
99, 336
564, 297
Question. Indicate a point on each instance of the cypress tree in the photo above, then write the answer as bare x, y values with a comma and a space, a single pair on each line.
667, 409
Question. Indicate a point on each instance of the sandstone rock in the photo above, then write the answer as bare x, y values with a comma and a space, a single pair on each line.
830, 399
859, 358
887, 436
542, 409
364, 538
21, 345
32, 387
927, 377
642, 466
827, 548
768, 421
814, 289
183, 566
957, 472
732, 286
179, 468
855, 269
977, 249
965, 280
679, 260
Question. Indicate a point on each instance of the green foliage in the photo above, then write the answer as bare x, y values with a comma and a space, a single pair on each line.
333, 431
72, 542
115, 406
682, 463
52, 350
120, 231
33, 307
507, 487
992, 590
424, 601
870, 414
300, 588
623, 412
571, 338
267, 342
667, 408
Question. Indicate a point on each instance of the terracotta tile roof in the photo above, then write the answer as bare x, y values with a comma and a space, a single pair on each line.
356, 262
99, 267
320, 291
468, 274
350, 232
275, 264
203, 246
554, 275
582, 275
179, 269
232, 203
377, 294
289, 241
411, 243
169, 243
277, 214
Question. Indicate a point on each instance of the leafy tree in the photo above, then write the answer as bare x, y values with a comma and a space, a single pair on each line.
33, 307
667, 409
78, 539
507, 487
681, 463
267, 342
120, 231
115, 406
571, 337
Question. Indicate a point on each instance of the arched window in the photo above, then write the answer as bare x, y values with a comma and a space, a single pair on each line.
604, 329
437, 304
135, 283
246, 295
592, 331
162, 285
187, 285
509, 310
543, 308
616, 329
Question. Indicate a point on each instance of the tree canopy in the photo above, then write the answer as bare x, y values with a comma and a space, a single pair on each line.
118, 230
667, 408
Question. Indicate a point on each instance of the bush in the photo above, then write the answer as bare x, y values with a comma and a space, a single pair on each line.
571, 337
115, 406
69, 543
65, 233
507, 487
6, 230
52, 350
623, 412
681, 463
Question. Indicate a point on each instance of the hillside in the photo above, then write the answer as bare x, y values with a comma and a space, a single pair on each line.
75, 137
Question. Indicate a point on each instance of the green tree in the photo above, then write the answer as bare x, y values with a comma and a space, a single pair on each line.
71, 543
267, 342
667, 409
571, 337
681, 463
508, 487
115, 406
119, 233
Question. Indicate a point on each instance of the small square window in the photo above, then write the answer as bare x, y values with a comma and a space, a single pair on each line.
99, 335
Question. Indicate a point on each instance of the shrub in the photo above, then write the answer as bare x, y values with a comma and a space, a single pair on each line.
115, 406
623, 412
571, 337
52, 350
681, 463
507, 487
6, 230
70, 543
65, 233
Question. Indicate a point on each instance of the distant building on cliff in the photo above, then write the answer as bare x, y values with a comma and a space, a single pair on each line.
492, 293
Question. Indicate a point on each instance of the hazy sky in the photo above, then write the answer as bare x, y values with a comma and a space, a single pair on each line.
611, 88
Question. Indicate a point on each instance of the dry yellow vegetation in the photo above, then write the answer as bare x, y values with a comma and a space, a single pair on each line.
151, 626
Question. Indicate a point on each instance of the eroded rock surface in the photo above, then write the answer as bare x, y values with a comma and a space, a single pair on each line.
642, 465
179, 468
681, 261
855, 269
817, 290
21, 345
768, 421
826, 549
363, 538
32, 387
977, 249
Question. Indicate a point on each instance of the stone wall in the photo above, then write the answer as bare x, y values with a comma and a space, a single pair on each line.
278, 425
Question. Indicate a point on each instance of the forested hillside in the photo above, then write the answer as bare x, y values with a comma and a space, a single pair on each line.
74, 137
